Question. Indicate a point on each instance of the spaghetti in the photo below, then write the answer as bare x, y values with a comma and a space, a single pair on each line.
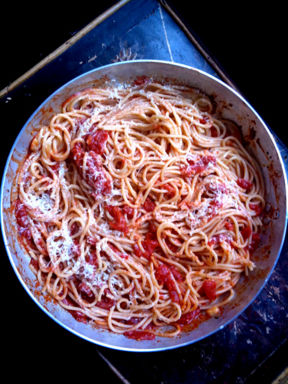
139, 208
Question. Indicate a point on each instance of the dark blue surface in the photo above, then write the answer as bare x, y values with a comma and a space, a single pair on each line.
235, 353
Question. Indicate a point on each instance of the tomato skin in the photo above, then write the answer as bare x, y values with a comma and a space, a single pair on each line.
245, 184
106, 302
164, 276
189, 317
194, 168
220, 238
22, 220
78, 153
119, 223
257, 208
86, 292
149, 205
246, 232
128, 211
209, 289
96, 141
94, 174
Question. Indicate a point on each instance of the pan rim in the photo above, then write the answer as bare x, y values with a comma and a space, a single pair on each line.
4, 235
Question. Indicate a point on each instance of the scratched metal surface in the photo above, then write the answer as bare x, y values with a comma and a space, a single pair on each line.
233, 354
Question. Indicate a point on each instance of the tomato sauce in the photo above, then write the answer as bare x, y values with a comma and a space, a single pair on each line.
149, 205
94, 174
106, 302
164, 276
96, 141
139, 335
189, 317
119, 223
150, 243
194, 168
245, 184
22, 220
208, 289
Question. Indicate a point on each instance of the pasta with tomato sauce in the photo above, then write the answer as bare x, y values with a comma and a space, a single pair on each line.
139, 208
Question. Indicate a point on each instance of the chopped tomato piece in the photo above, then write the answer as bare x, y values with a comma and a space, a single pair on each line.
229, 225
149, 205
257, 208
189, 317
220, 238
96, 141
208, 289
106, 302
150, 243
245, 184
94, 173
197, 167
78, 315
128, 211
86, 293
164, 276
170, 190
119, 223
78, 153
246, 232
22, 220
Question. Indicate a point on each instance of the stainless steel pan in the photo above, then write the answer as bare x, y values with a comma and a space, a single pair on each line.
263, 146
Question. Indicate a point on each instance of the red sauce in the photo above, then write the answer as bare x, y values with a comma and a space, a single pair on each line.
245, 184
255, 241
34, 264
170, 190
86, 292
141, 80
96, 141
208, 289
150, 243
116, 250
257, 208
128, 211
139, 335
119, 223
22, 220
229, 225
94, 175
246, 232
204, 120
214, 132
78, 316
197, 167
106, 302
149, 205
91, 258
164, 276
189, 317
220, 238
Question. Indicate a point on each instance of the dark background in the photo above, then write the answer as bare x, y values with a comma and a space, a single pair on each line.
246, 41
